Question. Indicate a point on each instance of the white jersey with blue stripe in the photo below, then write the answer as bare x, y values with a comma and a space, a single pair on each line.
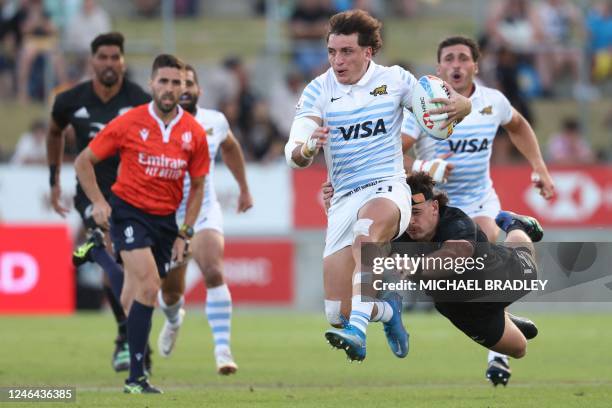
470, 145
365, 122
217, 128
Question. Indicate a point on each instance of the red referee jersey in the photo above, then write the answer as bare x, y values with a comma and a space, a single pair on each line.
153, 157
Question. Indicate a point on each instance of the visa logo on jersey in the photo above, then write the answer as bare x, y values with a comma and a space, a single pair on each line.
468, 145
362, 130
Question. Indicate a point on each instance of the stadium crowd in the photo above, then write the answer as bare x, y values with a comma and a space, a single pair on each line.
548, 49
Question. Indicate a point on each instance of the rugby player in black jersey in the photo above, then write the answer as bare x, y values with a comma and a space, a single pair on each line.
447, 232
88, 107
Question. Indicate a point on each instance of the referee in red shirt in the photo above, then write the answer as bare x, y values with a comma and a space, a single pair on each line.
157, 143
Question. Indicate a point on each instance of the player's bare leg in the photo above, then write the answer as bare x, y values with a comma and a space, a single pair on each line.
378, 222
488, 226
337, 282
209, 247
171, 301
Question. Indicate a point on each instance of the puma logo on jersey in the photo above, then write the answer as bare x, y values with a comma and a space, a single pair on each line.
488, 110
468, 146
362, 130
380, 90
209, 131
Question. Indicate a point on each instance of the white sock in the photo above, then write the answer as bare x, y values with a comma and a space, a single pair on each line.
360, 313
494, 354
384, 312
171, 311
219, 314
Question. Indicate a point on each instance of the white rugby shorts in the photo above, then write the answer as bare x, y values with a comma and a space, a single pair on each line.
489, 206
342, 214
210, 217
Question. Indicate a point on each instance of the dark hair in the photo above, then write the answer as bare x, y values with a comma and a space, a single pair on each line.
459, 39
571, 124
190, 68
360, 22
113, 38
421, 182
166, 61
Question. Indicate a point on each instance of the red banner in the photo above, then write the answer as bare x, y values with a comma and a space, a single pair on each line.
583, 195
36, 274
583, 199
308, 208
256, 271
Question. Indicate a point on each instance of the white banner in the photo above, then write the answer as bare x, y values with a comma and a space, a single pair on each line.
272, 193
24, 195
24, 198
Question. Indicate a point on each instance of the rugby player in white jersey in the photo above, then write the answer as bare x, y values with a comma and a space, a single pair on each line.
461, 164
207, 241
354, 111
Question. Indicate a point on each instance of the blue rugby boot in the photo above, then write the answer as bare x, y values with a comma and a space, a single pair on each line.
507, 221
396, 333
349, 339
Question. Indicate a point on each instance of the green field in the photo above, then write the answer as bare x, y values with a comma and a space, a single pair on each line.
284, 361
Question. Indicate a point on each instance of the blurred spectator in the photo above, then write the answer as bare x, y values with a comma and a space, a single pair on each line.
307, 29
559, 19
569, 145
284, 97
599, 44
245, 98
507, 81
32, 146
515, 25
504, 152
81, 29
147, 8
263, 142
186, 8
7, 51
40, 39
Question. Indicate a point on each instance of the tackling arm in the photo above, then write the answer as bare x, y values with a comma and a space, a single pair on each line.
450, 249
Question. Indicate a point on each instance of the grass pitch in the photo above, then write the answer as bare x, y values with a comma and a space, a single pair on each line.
284, 361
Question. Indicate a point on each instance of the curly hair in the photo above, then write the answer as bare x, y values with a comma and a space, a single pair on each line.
421, 182
360, 22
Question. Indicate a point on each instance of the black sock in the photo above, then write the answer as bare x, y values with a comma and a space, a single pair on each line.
139, 327
112, 269
117, 309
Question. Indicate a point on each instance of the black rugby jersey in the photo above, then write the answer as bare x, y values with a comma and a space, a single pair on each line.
83, 109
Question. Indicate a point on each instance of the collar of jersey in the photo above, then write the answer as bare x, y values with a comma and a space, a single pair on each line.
166, 131
476, 93
362, 82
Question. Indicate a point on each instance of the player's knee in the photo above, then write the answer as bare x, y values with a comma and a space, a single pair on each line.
519, 350
171, 297
213, 276
149, 290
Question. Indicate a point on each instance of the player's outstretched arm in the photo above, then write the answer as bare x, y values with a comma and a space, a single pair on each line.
450, 249
523, 137
306, 137
231, 152
55, 150
84, 166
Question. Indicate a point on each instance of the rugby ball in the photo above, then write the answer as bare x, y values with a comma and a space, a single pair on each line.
427, 88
